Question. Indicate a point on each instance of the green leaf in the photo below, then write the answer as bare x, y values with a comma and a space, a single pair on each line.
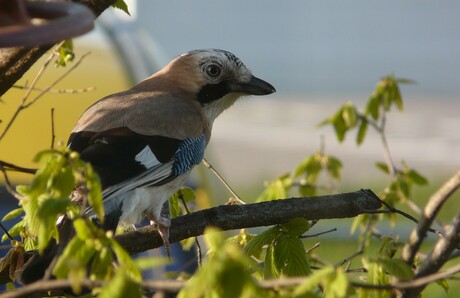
125, 260
75, 256
361, 132
101, 265
334, 166
147, 263
389, 247
47, 214
255, 245
338, 286
185, 194
314, 280
307, 190
66, 53
398, 268
349, 115
121, 4
383, 167
417, 178
444, 284
340, 128
121, 286
271, 270
13, 214
214, 238
296, 226
372, 107
93, 185
274, 191
290, 256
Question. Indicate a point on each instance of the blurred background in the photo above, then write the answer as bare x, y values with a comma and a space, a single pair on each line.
318, 54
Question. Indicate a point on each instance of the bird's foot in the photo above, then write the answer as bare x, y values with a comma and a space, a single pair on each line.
162, 225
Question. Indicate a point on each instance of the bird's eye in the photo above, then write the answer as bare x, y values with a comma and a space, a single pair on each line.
213, 70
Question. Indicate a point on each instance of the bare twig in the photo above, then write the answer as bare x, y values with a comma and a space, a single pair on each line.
317, 244
8, 185
431, 210
67, 91
53, 136
26, 96
6, 232
362, 244
199, 255
318, 234
210, 167
12, 167
25, 104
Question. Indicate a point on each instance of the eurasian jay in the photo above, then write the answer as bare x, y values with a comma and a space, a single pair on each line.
143, 142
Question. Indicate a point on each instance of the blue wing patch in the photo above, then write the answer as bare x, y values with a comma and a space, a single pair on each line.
189, 153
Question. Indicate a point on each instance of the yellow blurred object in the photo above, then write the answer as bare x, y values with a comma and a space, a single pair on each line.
31, 131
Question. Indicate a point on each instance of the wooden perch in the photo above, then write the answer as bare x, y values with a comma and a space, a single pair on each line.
230, 217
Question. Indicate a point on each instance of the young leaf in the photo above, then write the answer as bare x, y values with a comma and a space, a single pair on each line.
125, 260
76, 255
338, 286
121, 4
398, 268
271, 269
417, 178
334, 167
255, 245
349, 115
372, 107
296, 227
361, 132
383, 167
121, 286
13, 214
314, 280
290, 256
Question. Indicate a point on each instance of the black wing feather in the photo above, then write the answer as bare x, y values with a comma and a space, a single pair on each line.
112, 153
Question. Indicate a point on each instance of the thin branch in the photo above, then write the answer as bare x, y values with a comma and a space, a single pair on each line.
431, 210
24, 99
53, 136
44, 287
24, 104
392, 209
318, 234
317, 244
12, 167
9, 186
60, 78
6, 232
210, 167
59, 91
199, 255
362, 245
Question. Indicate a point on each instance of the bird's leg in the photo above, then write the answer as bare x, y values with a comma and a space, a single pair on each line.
162, 224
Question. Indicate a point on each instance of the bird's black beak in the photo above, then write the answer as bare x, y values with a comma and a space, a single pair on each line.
255, 86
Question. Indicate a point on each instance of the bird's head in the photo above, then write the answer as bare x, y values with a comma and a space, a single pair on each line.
217, 78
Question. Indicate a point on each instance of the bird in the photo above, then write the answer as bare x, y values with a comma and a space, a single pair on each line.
144, 142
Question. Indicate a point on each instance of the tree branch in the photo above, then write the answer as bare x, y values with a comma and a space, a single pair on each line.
439, 255
14, 62
431, 210
230, 217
